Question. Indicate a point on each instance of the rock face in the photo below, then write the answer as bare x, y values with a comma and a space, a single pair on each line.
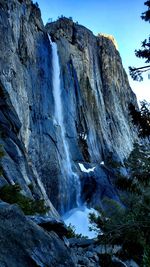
25, 244
95, 94
25, 75
97, 89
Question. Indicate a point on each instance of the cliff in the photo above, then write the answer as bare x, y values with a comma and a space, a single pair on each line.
95, 95
96, 85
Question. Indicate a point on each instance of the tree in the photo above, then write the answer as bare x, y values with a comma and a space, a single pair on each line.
144, 52
141, 118
129, 224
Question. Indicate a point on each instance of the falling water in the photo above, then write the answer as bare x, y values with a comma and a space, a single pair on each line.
70, 188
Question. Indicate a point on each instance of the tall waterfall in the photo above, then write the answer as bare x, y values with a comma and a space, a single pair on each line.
70, 185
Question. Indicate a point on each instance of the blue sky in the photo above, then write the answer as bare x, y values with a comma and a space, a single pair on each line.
121, 18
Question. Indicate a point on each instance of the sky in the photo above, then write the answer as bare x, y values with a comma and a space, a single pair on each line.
120, 18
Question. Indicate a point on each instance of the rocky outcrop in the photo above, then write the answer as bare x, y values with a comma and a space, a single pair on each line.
25, 244
90, 253
95, 97
50, 224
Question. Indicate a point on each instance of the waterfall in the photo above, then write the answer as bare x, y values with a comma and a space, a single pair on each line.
70, 185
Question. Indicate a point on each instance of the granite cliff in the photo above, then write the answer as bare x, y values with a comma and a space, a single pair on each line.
94, 93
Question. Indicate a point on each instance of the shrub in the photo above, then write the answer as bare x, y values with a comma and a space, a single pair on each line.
11, 194
72, 232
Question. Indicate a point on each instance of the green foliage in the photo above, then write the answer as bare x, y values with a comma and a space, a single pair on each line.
141, 118
146, 257
11, 194
1, 151
129, 224
144, 52
31, 187
105, 260
111, 163
138, 164
72, 232
84, 147
36, 4
136, 73
146, 14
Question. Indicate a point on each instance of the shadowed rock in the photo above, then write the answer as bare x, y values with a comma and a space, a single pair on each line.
25, 244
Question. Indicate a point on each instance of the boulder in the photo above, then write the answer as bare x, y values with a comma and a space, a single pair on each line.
50, 224
25, 244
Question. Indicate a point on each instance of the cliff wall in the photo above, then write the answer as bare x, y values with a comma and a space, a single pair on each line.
96, 90
95, 96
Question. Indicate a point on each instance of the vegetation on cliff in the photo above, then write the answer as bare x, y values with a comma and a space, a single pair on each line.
12, 194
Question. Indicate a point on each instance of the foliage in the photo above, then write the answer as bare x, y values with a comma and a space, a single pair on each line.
31, 187
84, 146
146, 257
11, 194
72, 232
144, 52
141, 118
1, 152
136, 73
112, 163
146, 14
106, 260
36, 4
129, 224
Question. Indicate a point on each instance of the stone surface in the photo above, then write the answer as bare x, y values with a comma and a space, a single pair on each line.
25, 244
93, 254
24, 55
131, 263
81, 242
93, 77
50, 224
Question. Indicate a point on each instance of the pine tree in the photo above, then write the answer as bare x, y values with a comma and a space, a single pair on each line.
128, 224
141, 118
144, 52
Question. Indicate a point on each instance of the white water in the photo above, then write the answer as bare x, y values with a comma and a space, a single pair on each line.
58, 113
71, 184
79, 219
